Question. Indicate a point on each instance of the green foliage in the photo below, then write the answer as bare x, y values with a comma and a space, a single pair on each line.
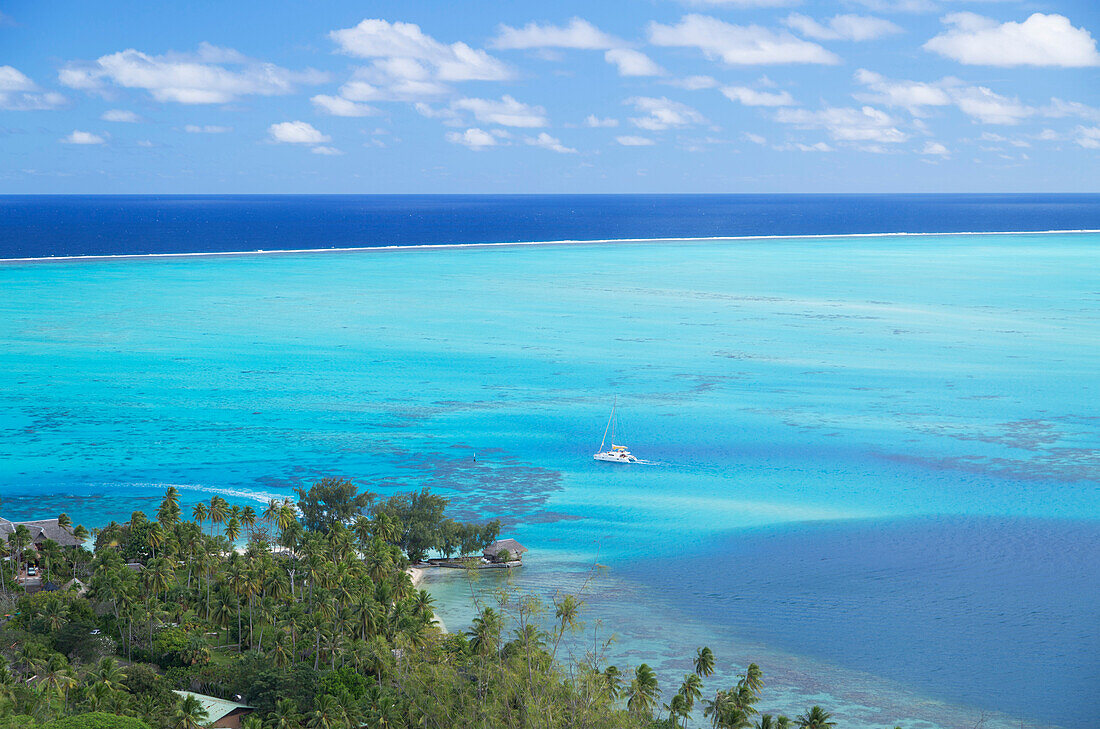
96, 720
170, 646
326, 631
332, 501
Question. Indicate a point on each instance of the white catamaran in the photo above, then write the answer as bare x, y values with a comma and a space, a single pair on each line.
617, 453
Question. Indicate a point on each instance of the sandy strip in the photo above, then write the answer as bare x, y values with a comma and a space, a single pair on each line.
416, 574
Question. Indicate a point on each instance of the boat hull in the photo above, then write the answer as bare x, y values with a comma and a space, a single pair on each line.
612, 457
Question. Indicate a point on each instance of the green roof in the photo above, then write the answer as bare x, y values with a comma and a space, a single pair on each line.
215, 708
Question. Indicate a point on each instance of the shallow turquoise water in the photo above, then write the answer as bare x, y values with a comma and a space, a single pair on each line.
779, 385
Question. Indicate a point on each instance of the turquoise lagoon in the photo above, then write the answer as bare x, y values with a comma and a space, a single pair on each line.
876, 459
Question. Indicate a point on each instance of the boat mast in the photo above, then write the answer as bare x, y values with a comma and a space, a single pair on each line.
604, 439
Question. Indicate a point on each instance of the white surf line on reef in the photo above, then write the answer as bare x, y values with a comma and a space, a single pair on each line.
565, 242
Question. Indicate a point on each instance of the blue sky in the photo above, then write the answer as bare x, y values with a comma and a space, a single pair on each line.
614, 96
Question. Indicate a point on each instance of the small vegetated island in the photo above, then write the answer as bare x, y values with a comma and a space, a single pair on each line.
315, 623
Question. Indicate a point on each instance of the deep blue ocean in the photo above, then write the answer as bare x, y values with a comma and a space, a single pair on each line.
41, 225
876, 459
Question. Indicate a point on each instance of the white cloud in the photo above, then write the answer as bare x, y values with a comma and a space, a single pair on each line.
296, 132
579, 33
694, 83
554, 144
206, 129
375, 38
327, 151
203, 77
594, 121
663, 113
393, 79
914, 96
19, 93
1049, 135
632, 63
936, 149
1041, 40
866, 124
898, 6
801, 147
79, 137
752, 97
631, 141
339, 106
1087, 137
738, 44
120, 115
745, 3
755, 138
144, 143
507, 112
473, 138
1058, 109
988, 107
842, 27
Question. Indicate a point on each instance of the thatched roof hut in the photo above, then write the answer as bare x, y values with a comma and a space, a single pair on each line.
514, 549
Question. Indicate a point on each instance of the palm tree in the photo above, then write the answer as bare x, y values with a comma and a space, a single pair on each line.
218, 509
815, 718
109, 673
753, 678
767, 721
613, 681
677, 708
704, 662
643, 692
285, 716
691, 689
328, 714
486, 632
232, 530
56, 614
189, 714
199, 513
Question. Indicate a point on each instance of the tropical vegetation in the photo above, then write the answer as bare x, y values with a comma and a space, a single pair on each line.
306, 611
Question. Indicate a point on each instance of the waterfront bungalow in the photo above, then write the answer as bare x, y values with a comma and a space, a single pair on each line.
220, 714
40, 530
514, 551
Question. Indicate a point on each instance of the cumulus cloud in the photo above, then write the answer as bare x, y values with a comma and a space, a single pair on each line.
19, 93
632, 141
989, 107
594, 121
339, 106
507, 112
842, 27
120, 115
1041, 40
694, 83
866, 124
632, 63
755, 138
579, 33
935, 149
79, 137
554, 144
296, 132
327, 151
663, 113
475, 139
206, 129
738, 44
393, 79
1087, 137
211, 75
375, 38
914, 96
752, 97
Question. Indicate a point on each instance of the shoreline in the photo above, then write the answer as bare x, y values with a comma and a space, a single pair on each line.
417, 575
517, 244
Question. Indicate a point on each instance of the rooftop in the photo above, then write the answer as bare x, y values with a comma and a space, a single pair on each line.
41, 530
216, 708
